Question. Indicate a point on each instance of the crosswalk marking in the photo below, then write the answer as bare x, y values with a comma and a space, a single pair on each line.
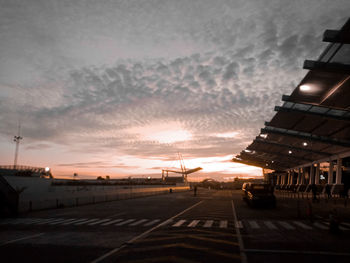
193, 223
62, 221
223, 224
138, 222
208, 223
340, 227
179, 223
152, 222
98, 222
346, 224
35, 220
238, 224
302, 225
316, 224
48, 221
270, 225
86, 221
253, 224
70, 222
125, 222
286, 225
112, 222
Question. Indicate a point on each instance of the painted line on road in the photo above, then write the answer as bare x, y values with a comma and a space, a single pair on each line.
238, 224
223, 224
319, 225
63, 221
270, 225
302, 225
208, 223
73, 221
115, 250
152, 222
20, 239
239, 237
253, 224
181, 222
193, 223
111, 222
86, 221
308, 252
138, 222
286, 225
99, 222
125, 222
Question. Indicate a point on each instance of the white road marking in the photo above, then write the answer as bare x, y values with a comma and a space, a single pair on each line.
239, 237
35, 220
152, 222
62, 221
223, 224
111, 222
286, 225
346, 224
138, 222
193, 223
125, 222
340, 227
302, 225
208, 223
253, 224
179, 223
86, 221
144, 234
303, 252
49, 221
74, 221
238, 224
270, 225
20, 239
99, 222
318, 225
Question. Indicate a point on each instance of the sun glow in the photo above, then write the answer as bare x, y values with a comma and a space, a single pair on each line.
166, 133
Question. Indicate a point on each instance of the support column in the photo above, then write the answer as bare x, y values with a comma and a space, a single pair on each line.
312, 175
330, 173
278, 180
292, 177
317, 175
339, 171
299, 177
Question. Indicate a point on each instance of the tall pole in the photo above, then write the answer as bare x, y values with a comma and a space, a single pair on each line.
17, 140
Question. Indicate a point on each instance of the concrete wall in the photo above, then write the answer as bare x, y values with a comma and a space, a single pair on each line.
39, 193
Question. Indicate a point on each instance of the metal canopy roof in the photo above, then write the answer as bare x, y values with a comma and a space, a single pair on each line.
314, 121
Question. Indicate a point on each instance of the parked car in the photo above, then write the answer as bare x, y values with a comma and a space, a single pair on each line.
258, 194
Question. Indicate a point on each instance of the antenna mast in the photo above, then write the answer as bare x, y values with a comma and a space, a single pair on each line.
17, 139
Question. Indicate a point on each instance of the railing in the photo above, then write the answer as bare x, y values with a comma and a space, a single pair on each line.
22, 167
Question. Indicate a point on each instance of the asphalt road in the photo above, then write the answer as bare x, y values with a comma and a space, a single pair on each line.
214, 226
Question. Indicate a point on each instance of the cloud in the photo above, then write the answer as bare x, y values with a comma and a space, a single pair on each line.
93, 83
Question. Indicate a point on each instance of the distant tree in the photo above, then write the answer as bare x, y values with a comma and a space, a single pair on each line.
107, 177
99, 178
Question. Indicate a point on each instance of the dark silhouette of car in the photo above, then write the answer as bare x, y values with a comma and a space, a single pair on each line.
258, 194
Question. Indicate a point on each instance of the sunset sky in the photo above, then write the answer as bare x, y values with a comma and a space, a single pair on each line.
120, 87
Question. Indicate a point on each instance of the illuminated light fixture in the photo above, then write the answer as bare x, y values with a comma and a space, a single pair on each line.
263, 136
247, 151
290, 152
267, 164
272, 161
304, 143
305, 88
47, 169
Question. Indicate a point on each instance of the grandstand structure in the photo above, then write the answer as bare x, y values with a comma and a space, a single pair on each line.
308, 139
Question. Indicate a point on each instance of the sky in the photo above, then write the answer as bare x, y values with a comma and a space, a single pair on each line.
120, 87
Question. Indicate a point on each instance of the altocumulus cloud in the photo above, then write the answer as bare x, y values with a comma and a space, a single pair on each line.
88, 79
